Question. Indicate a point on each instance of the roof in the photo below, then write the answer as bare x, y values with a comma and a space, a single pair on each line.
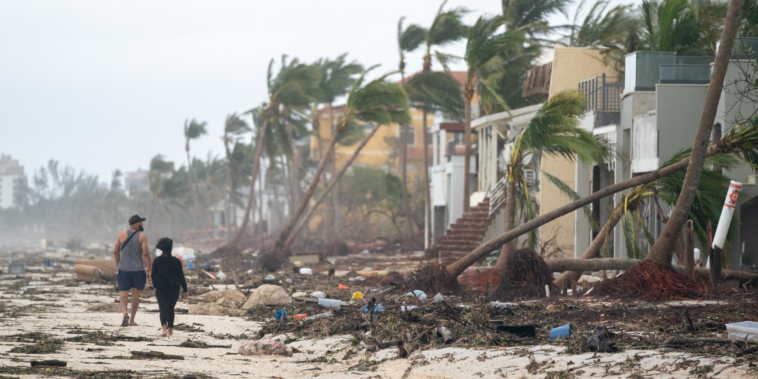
449, 126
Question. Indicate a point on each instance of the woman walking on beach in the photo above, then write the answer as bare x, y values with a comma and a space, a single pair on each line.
168, 277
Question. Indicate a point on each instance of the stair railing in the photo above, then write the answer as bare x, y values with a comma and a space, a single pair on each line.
497, 196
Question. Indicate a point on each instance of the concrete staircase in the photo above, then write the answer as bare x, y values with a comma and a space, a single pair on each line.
466, 234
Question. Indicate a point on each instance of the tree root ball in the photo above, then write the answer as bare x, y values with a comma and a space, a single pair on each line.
431, 278
525, 276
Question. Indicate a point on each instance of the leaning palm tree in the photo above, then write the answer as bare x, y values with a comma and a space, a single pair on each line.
334, 79
408, 40
555, 131
484, 58
707, 206
292, 86
234, 130
447, 28
378, 102
193, 130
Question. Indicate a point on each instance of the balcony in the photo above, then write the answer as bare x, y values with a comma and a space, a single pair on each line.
744, 47
685, 74
603, 93
643, 69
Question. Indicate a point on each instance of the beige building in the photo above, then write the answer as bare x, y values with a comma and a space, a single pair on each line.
571, 65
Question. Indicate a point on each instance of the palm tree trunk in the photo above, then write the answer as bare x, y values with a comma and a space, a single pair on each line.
195, 196
256, 166
599, 264
457, 267
260, 208
404, 158
287, 229
510, 220
427, 183
325, 192
595, 247
662, 251
467, 158
335, 193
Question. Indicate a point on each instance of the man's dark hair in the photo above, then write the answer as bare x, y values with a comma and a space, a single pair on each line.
165, 245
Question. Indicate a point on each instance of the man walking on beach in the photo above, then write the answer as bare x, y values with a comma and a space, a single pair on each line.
132, 258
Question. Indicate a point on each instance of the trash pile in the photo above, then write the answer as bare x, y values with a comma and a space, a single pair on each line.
648, 281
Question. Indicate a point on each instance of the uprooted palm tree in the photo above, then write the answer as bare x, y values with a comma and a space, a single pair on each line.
707, 206
292, 87
661, 252
741, 142
378, 102
554, 130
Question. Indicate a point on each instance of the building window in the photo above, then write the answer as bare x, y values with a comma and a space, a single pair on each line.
459, 139
429, 137
411, 140
368, 128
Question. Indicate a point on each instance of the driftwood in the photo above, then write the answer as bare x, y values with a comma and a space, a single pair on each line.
683, 341
155, 354
599, 264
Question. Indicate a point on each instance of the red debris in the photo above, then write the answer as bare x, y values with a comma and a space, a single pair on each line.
647, 280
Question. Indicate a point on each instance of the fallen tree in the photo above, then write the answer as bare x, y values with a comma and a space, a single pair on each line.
599, 264
740, 141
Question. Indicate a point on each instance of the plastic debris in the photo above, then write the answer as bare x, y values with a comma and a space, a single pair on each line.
318, 294
288, 280
496, 304
221, 275
342, 287
320, 315
329, 303
300, 317
269, 277
265, 348
306, 271
209, 274
367, 269
250, 271
377, 308
357, 295
192, 265
417, 293
561, 331
280, 314
365, 252
299, 294
437, 298
404, 308
446, 334
600, 341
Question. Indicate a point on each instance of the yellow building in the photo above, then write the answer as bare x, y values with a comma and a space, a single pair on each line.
571, 65
382, 150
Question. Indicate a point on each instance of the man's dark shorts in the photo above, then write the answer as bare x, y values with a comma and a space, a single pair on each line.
131, 279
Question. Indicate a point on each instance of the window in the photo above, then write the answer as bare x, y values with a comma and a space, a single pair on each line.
459, 139
368, 128
429, 137
411, 140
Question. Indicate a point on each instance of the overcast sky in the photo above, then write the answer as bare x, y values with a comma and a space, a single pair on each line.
106, 85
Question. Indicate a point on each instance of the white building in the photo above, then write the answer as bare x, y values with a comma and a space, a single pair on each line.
12, 181
137, 181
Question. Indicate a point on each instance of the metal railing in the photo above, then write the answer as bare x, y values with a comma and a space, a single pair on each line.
603, 93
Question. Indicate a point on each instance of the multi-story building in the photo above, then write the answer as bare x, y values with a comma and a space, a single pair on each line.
12, 182
659, 112
136, 181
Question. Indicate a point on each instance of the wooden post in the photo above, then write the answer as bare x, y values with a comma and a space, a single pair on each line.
689, 250
563, 289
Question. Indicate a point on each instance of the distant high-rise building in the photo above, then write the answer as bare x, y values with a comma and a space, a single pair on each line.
12, 182
136, 180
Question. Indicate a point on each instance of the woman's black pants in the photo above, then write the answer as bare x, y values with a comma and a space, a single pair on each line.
166, 303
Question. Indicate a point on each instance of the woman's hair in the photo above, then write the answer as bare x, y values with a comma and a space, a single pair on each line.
165, 245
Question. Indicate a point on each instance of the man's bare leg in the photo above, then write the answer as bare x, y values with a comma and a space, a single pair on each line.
124, 295
135, 304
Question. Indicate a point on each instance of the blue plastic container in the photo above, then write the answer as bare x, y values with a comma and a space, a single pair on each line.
561, 331
280, 315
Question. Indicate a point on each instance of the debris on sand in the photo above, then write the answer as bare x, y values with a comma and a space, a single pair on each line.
265, 348
270, 262
647, 280
267, 294
525, 276
222, 307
